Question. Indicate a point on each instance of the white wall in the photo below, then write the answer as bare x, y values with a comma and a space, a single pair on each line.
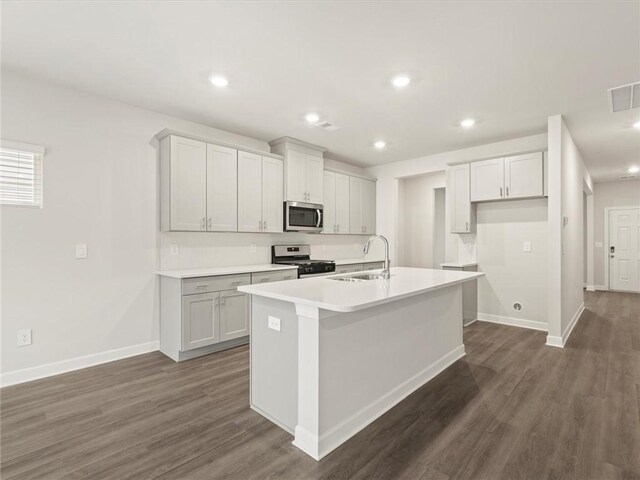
388, 176
609, 194
417, 217
100, 188
513, 275
568, 179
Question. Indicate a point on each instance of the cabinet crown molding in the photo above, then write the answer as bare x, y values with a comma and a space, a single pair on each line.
295, 141
169, 131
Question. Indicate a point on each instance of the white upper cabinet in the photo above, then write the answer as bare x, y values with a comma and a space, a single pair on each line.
315, 177
519, 176
329, 222
524, 175
184, 162
272, 195
303, 170
249, 192
342, 203
459, 197
487, 180
362, 206
260, 193
222, 189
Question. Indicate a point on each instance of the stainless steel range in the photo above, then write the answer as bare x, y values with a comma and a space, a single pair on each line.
300, 255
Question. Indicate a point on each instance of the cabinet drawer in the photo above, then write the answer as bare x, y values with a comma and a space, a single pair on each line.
349, 268
191, 286
268, 277
373, 265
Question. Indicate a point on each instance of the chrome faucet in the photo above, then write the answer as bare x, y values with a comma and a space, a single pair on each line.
385, 270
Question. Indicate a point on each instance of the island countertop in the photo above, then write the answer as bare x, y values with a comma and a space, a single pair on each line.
337, 296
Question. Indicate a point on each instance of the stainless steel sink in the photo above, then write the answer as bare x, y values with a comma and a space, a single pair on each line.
358, 278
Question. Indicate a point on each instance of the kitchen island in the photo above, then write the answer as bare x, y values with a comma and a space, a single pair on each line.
329, 355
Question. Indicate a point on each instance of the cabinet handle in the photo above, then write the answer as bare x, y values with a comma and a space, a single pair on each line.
264, 280
507, 191
201, 287
467, 226
236, 283
260, 225
264, 225
204, 223
500, 192
222, 299
209, 223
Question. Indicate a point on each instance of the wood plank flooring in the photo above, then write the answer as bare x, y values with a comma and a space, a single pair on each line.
511, 409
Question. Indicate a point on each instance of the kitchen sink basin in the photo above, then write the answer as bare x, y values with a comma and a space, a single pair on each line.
358, 278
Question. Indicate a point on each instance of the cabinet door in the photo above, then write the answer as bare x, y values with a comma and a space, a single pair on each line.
222, 189
460, 210
188, 184
523, 176
249, 192
487, 180
341, 203
296, 176
234, 315
369, 206
200, 321
315, 179
355, 206
330, 224
272, 194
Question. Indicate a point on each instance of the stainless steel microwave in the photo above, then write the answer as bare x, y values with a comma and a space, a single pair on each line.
302, 217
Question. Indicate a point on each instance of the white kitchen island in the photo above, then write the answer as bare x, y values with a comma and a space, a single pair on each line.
328, 357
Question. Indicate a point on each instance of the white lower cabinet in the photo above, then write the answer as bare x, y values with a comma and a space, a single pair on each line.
200, 320
234, 315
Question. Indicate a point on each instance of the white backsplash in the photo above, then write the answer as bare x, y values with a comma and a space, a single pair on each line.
195, 250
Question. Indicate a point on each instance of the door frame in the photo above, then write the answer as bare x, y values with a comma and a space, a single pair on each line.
607, 211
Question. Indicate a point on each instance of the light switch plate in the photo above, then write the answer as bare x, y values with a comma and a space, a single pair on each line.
274, 323
24, 337
526, 247
81, 251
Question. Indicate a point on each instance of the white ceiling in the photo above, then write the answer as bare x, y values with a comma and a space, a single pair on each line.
507, 64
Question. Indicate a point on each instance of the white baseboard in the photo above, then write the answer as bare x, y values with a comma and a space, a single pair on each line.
346, 429
64, 366
590, 288
555, 341
601, 288
514, 322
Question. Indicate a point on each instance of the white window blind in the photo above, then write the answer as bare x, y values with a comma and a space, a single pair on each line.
20, 174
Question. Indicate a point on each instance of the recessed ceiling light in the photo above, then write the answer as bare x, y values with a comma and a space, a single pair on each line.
219, 81
634, 169
312, 117
380, 144
400, 81
636, 125
467, 122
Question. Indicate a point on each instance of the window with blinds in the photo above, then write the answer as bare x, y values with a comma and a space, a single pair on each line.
20, 174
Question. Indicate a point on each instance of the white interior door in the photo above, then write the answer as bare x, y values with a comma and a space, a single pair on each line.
249, 192
272, 195
222, 189
624, 250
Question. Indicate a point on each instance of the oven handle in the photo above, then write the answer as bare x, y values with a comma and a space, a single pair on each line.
319, 222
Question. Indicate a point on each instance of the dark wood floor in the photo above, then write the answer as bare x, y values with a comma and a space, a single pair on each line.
511, 409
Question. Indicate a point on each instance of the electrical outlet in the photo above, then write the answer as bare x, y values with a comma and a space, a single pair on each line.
24, 337
174, 249
274, 323
81, 251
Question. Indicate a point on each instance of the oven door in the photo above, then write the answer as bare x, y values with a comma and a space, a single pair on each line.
302, 217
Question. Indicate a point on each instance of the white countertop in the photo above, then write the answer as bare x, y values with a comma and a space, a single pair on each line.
459, 264
212, 271
327, 294
353, 261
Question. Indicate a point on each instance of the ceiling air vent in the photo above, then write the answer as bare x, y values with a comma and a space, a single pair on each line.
624, 97
328, 126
